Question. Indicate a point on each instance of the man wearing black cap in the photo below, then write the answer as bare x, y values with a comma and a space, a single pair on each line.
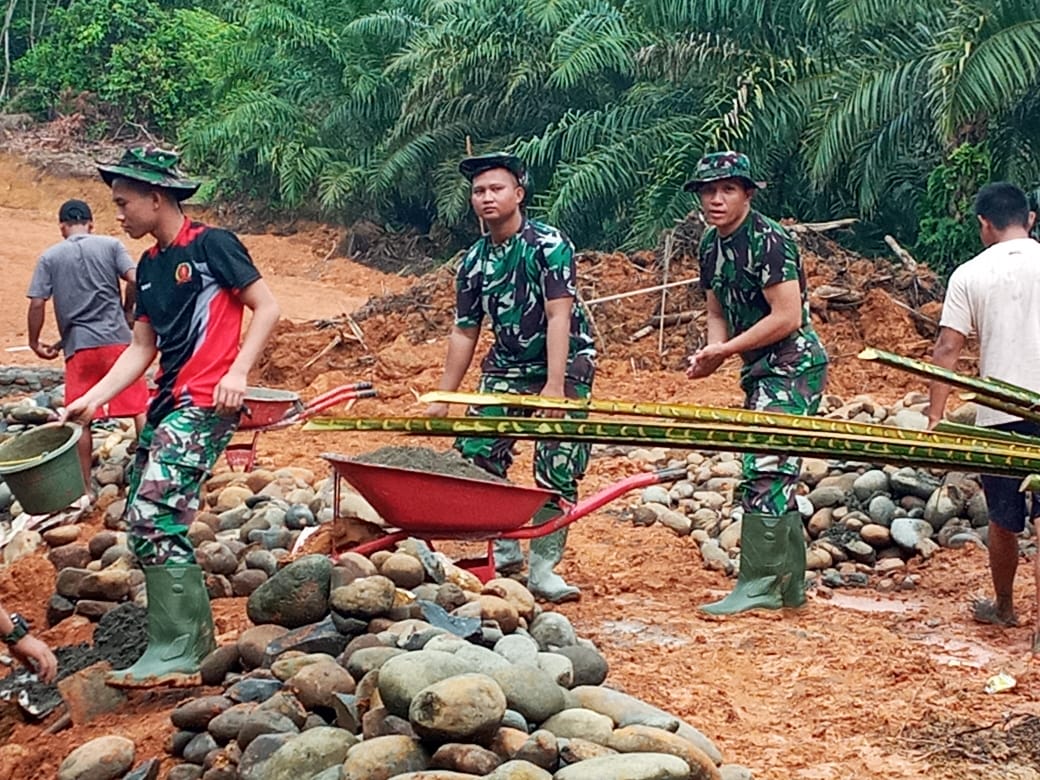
82, 275
192, 289
758, 308
521, 277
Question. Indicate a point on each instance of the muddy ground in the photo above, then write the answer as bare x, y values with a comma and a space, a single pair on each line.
855, 685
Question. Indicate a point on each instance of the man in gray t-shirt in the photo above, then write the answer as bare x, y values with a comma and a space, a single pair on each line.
81, 274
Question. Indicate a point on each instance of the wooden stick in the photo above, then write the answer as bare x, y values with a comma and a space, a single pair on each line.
669, 242
905, 257
63, 722
914, 311
329, 347
642, 291
596, 332
316, 270
358, 333
675, 318
662, 322
822, 227
642, 333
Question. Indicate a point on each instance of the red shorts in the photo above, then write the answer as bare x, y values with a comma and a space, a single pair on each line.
86, 368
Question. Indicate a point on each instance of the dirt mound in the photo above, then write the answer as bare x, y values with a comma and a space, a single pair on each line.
448, 463
406, 252
855, 302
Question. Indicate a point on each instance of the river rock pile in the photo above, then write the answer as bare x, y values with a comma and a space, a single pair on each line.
249, 526
22, 534
406, 667
19, 380
863, 521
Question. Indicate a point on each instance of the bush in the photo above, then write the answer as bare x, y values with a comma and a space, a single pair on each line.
75, 52
150, 66
949, 233
168, 77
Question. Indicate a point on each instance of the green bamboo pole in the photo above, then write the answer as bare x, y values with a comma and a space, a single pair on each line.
714, 414
940, 452
973, 432
994, 393
1013, 409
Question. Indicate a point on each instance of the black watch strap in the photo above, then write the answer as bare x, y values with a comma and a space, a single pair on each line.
21, 628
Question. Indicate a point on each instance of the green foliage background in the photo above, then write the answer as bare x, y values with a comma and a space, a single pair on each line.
891, 110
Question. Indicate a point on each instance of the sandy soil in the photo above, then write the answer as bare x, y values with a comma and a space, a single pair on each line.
854, 685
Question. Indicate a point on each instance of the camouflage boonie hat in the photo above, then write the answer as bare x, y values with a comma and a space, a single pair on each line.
472, 166
722, 165
154, 166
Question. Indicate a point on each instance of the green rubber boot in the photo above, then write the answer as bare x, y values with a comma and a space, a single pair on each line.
509, 558
794, 591
765, 570
546, 553
180, 629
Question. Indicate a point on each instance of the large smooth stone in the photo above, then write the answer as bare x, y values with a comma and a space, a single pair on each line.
628, 766
311, 752
381, 758
295, 596
644, 739
104, 758
465, 708
403, 676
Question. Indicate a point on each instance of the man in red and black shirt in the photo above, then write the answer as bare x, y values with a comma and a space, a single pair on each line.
192, 289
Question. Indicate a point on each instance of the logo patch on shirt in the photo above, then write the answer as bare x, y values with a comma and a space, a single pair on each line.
182, 273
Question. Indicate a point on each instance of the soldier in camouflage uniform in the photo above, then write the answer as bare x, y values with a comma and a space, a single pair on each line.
192, 289
758, 308
521, 277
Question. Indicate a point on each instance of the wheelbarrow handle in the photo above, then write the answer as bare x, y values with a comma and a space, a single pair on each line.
333, 397
323, 402
336, 392
573, 512
671, 474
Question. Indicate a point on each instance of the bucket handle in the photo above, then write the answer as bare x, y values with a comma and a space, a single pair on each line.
54, 424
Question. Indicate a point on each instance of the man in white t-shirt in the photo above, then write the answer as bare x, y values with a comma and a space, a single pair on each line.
996, 295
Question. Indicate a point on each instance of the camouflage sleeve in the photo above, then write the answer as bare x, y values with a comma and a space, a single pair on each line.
560, 275
779, 261
468, 311
707, 258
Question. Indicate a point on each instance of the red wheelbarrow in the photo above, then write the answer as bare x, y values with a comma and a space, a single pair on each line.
270, 409
430, 506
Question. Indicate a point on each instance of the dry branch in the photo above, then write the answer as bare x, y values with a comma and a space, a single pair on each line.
641, 291
821, 227
336, 341
904, 257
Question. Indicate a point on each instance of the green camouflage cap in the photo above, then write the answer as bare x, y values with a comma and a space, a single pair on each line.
723, 165
154, 166
472, 166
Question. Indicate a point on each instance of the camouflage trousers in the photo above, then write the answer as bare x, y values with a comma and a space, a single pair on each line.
558, 465
173, 459
770, 479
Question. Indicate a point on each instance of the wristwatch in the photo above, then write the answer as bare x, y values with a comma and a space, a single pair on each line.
21, 628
